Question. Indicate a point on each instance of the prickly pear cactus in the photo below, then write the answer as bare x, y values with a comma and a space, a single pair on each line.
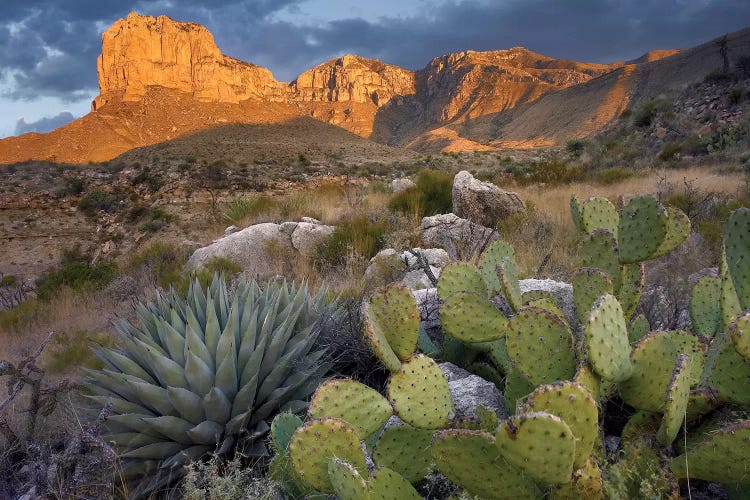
460, 277
575, 212
678, 229
386, 484
586, 484
638, 328
632, 279
316, 442
599, 251
641, 230
346, 480
472, 460
720, 454
737, 248
470, 317
574, 404
599, 213
495, 254
701, 402
541, 346
406, 450
420, 395
540, 444
705, 311
729, 302
727, 371
516, 387
508, 276
588, 285
355, 403
607, 340
394, 312
282, 430
739, 331
675, 402
586, 377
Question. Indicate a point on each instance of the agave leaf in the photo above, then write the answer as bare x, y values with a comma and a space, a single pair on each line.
207, 432
131, 422
177, 315
173, 428
184, 456
119, 405
198, 302
123, 363
245, 398
155, 451
188, 404
278, 342
253, 363
213, 328
226, 360
154, 397
173, 341
167, 371
217, 406
132, 440
249, 335
279, 373
233, 322
237, 423
199, 375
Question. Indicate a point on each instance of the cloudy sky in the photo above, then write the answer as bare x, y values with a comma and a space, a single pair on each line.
48, 48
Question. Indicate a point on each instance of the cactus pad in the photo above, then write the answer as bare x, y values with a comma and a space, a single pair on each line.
539, 443
548, 305
721, 455
642, 228
727, 371
586, 377
495, 253
729, 302
406, 450
675, 403
575, 212
488, 419
678, 229
533, 295
282, 429
541, 346
347, 482
472, 460
470, 317
701, 402
517, 387
588, 285
638, 328
653, 359
574, 404
460, 277
632, 279
607, 340
640, 424
316, 442
705, 312
379, 343
355, 403
394, 310
737, 248
599, 213
420, 395
586, 483
599, 251
508, 276
386, 484
739, 331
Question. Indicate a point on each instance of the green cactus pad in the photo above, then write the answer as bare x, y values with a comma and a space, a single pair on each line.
354, 403
315, 443
575, 212
517, 387
588, 285
586, 377
460, 277
495, 253
675, 403
386, 484
541, 346
599, 213
727, 371
701, 402
470, 317
488, 419
587, 483
705, 311
508, 276
380, 346
539, 443
472, 460
406, 450
282, 429
722, 455
641, 424
678, 229
653, 361
420, 395
533, 295
642, 228
729, 303
638, 328
632, 279
739, 331
574, 404
737, 248
547, 305
394, 310
347, 482
497, 352
599, 251
607, 340
280, 470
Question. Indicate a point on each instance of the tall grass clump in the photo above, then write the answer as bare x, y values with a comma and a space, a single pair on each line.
433, 194
76, 272
551, 171
359, 235
163, 261
242, 209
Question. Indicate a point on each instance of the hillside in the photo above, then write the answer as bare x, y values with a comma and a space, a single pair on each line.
161, 79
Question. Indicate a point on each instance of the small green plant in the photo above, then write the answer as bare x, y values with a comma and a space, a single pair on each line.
217, 479
359, 235
164, 261
613, 175
247, 207
550, 171
575, 147
77, 273
433, 194
65, 354
95, 201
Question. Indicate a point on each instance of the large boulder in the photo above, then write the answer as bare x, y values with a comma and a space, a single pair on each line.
483, 202
408, 267
259, 248
460, 237
469, 391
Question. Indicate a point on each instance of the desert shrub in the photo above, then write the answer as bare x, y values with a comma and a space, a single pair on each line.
247, 207
222, 266
735, 96
575, 147
669, 151
65, 354
550, 171
359, 235
433, 194
163, 261
158, 219
73, 187
644, 115
637, 475
95, 201
743, 66
613, 175
13, 320
75, 272
220, 480
152, 181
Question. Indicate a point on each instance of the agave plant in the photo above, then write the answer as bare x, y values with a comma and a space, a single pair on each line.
203, 374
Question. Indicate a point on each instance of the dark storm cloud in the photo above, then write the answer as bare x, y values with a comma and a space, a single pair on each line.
44, 124
49, 47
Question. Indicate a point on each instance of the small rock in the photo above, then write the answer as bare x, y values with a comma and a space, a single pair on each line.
402, 184
483, 202
469, 391
459, 237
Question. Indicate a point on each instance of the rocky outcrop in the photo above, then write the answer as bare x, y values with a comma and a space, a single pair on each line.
260, 248
470, 391
460, 237
402, 184
483, 202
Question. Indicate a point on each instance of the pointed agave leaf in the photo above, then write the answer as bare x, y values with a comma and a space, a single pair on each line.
119, 405
207, 432
217, 406
194, 341
226, 361
249, 330
173, 341
131, 422
167, 371
132, 440
199, 375
252, 368
124, 363
245, 398
154, 397
173, 428
156, 451
213, 328
187, 455
188, 404
279, 340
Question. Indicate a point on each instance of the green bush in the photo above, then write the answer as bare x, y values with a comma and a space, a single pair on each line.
77, 273
433, 194
243, 208
222, 266
164, 260
575, 147
552, 171
95, 201
358, 235
66, 355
